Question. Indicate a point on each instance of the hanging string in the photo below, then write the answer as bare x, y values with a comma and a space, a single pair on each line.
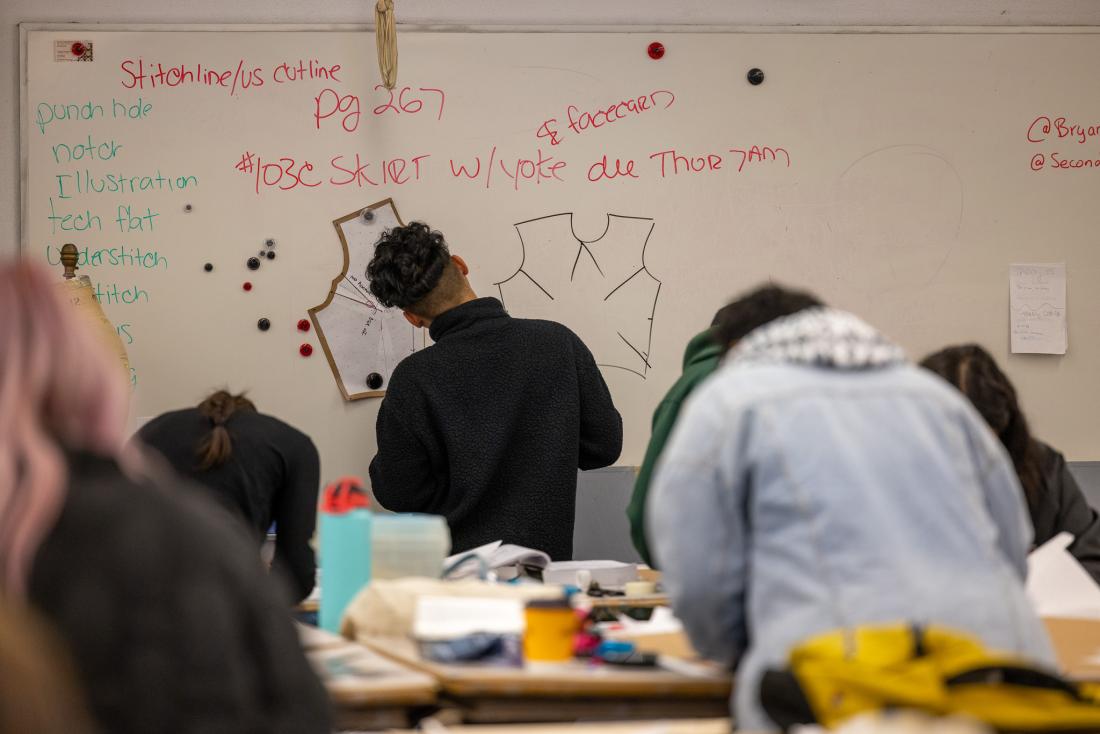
385, 29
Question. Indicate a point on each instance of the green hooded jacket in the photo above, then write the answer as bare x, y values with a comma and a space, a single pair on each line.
700, 359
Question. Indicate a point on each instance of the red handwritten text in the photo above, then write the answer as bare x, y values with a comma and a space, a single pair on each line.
397, 171
330, 102
672, 163
287, 72
579, 120
137, 74
1042, 127
287, 173
758, 154
407, 101
603, 169
152, 75
1056, 161
547, 131
540, 169
413, 103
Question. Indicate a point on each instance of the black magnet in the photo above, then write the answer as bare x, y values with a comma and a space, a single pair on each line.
270, 254
208, 267
263, 252
263, 324
269, 242
368, 216
187, 208
756, 76
374, 380
253, 263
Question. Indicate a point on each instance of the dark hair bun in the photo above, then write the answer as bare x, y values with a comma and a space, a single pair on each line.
407, 265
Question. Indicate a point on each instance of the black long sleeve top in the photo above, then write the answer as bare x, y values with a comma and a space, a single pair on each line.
272, 476
1063, 506
489, 425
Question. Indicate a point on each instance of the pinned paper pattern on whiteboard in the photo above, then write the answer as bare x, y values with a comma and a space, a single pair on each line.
1037, 302
363, 340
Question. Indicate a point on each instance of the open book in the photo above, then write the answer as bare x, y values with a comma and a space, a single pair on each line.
505, 560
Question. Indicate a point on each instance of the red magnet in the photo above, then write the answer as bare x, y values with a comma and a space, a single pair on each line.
78, 49
303, 324
305, 350
247, 286
656, 50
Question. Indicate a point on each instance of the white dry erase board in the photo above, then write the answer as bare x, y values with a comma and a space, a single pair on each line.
896, 174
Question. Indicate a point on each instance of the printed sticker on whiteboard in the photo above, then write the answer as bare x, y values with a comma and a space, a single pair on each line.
72, 51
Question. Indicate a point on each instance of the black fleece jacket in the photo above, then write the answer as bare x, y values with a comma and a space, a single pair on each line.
489, 425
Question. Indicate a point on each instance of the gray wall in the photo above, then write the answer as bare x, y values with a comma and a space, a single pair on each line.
1087, 474
602, 530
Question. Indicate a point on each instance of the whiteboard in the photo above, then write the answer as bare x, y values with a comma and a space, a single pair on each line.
898, 175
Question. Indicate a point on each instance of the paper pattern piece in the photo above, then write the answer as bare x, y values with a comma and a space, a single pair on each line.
599, 288
359, 335
1037, 302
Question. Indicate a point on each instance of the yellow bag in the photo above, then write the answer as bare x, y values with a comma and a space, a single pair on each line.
840, 674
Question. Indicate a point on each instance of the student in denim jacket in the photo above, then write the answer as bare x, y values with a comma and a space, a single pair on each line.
818, 480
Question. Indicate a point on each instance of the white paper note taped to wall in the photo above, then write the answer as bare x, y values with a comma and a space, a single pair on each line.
1037, 303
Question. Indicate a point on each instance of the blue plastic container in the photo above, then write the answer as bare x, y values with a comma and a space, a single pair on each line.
345, 561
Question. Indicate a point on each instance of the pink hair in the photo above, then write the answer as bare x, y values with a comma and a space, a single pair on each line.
60, 389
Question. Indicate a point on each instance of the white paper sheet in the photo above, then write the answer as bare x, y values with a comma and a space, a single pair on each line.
1037, 304
1057, 584
608, 574
452, 617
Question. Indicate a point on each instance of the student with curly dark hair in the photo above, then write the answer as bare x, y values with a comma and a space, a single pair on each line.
489, 425
1053, 498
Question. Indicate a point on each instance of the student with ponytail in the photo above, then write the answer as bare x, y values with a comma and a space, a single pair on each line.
169, 620
256, 466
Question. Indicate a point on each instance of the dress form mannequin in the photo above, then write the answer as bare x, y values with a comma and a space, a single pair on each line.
79, 292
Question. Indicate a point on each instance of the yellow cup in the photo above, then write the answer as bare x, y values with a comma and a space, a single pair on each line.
551, 626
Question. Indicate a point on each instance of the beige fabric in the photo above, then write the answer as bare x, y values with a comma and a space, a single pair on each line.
385, 30
80, 294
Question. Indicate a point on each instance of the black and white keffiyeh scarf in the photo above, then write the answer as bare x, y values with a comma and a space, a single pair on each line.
822, 337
